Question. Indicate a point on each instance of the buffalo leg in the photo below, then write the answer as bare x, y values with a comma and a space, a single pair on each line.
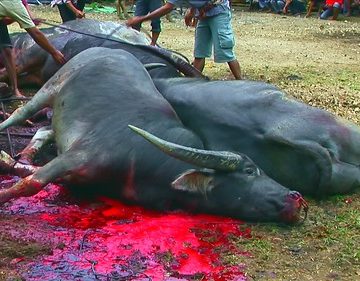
42, 136
42, 99
59, 167
9, 165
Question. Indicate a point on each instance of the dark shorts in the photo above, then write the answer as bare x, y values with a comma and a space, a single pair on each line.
66, 14
5, 41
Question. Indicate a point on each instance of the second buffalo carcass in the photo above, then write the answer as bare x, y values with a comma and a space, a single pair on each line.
35, 66
29, 55
95, 96
298, 145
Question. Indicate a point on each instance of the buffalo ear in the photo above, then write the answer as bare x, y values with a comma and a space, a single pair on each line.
195, 181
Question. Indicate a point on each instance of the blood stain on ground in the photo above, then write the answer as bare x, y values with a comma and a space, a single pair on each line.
107, 240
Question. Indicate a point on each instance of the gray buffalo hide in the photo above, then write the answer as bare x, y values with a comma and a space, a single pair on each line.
95, 97
298, 145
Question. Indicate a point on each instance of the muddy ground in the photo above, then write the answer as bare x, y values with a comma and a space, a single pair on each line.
311, 60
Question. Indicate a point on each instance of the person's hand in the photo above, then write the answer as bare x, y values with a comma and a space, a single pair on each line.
79, 14
7, 20
59, 57
189, 18
189, 15
133, 21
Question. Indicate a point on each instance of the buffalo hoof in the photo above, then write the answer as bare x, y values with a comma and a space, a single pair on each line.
9, 165
6, 162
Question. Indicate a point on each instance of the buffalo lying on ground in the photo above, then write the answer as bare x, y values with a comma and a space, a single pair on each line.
96, 146
22, 42
297, 145
35, 66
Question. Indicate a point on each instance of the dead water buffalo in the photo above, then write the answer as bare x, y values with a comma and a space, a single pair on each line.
43, 66
22, 42
96, 146
297, 145
35, 66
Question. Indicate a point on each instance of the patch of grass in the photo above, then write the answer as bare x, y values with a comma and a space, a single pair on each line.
325, 247
10, 249
13, 251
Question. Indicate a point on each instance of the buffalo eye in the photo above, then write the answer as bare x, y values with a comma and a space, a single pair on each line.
249, 171
252, 171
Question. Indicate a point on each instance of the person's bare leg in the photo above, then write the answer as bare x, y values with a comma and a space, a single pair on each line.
7, 54
199, 63
123, 7
121, 10
335, 13
235, 69
118, 9
154, 38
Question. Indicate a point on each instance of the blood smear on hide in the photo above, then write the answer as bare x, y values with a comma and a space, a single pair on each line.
110, 240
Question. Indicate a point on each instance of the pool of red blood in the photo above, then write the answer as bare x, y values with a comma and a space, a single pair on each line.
104, 239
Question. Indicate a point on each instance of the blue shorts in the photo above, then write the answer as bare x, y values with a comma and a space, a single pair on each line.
215, 31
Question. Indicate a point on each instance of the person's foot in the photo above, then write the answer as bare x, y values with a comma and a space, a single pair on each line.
17, 94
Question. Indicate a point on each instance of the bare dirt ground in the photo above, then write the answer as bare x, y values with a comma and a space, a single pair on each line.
311, 60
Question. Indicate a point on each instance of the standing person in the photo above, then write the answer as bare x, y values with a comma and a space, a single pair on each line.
144, 7
15, 10
121, 10
213, 29
70, 9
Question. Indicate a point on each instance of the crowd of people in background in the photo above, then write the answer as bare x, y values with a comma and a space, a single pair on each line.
325, 9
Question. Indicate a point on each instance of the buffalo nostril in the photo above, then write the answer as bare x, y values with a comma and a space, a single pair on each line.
294, 195
295, 203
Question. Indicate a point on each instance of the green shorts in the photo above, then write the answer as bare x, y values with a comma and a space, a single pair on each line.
215, 31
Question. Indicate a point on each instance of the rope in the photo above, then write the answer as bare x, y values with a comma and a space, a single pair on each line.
12, 153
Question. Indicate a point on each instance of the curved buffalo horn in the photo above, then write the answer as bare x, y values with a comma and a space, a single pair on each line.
217, 160
153, 65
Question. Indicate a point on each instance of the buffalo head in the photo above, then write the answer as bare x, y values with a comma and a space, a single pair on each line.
231, 184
